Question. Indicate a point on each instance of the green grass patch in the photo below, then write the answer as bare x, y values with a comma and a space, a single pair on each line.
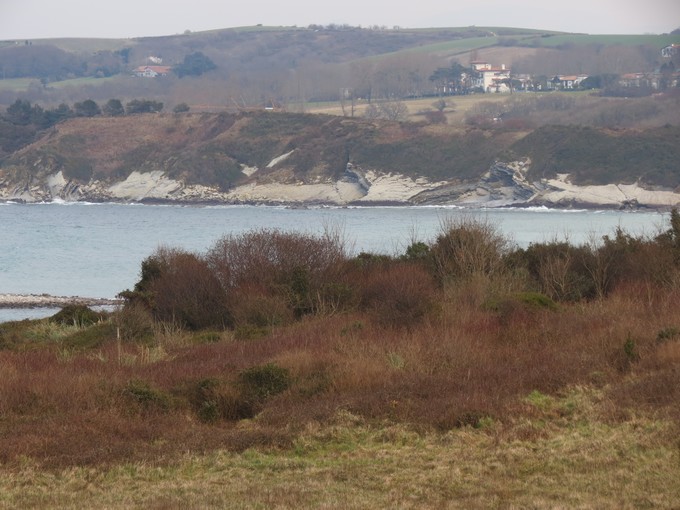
18, 84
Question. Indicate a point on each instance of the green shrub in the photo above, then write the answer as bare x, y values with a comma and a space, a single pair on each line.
261, 382
474, 419
417, 251
208, 337
630, 349
559, 270
666, 334
146, 398
90, 337
251, 332
76, 315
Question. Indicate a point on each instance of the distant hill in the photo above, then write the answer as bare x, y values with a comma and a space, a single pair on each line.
295, 65
381, 111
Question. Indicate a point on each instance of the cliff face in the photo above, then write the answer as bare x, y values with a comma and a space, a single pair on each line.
265, 157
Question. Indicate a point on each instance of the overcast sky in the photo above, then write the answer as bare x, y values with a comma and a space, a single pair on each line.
33, 19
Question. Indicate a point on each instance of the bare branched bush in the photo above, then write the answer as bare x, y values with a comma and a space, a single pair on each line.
558, 269
468, 247
388, 110
296, 265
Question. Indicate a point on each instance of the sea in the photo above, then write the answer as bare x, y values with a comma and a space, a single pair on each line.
95, 250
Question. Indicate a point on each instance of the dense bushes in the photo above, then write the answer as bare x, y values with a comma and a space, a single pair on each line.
266, 278
295, 332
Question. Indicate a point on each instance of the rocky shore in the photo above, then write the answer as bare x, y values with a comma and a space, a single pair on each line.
503, 185
47, 301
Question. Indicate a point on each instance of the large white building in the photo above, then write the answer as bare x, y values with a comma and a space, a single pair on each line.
491, 79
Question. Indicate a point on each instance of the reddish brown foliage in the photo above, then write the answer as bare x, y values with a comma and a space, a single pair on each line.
407, 349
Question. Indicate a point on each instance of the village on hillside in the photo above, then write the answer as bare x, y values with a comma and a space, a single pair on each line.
482, 76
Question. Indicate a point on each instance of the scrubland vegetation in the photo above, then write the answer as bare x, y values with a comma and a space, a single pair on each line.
278, 370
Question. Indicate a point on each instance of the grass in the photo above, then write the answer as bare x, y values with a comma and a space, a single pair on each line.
657, 41
87, 80
542, 461
23, 84
17, 83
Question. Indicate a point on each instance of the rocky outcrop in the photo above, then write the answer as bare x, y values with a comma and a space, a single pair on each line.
503, 185
48, 301
296, 159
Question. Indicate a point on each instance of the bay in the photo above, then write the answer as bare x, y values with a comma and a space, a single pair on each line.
95, 250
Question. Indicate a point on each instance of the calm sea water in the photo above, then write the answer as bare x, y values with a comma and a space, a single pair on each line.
95, 250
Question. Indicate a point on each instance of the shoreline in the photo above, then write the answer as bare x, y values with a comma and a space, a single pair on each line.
49, 301
565, 205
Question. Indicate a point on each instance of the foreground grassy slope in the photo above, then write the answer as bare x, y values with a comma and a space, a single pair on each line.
465, 373
573, 460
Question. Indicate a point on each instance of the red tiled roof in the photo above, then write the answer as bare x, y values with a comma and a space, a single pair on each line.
155, 69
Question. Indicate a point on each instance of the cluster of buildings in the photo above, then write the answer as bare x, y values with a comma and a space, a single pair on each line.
494, 79
500, 80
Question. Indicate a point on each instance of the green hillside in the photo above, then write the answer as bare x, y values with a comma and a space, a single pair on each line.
288, 65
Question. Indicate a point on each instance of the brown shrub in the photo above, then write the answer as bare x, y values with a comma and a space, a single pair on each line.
435, 117
135, 322
297, 266
468, 247
401, 294
186, 291
252, 306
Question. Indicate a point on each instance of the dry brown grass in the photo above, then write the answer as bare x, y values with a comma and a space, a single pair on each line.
461, 365
559, 454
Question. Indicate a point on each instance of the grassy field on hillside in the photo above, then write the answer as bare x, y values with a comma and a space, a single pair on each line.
594, 39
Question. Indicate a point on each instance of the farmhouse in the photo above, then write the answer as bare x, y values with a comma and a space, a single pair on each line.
151, 71
670, 50
491, 79
566, 82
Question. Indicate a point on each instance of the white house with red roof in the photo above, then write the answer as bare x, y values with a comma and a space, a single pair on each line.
151, 71
491, 79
